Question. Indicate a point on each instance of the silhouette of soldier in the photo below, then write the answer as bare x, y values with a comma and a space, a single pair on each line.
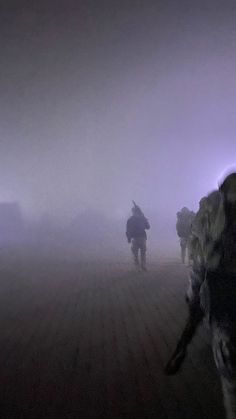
136, 234
183, 227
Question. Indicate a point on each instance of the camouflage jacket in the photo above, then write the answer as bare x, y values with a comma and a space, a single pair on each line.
206, 232
206, 235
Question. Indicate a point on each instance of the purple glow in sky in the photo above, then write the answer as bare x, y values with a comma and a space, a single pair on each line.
105, 102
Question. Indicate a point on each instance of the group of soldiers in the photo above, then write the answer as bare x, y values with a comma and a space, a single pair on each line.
210, 238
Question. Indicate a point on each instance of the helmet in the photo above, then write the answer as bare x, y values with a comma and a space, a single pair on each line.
229, 182
228, 187
184, 209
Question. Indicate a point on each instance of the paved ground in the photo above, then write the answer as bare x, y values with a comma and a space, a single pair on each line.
90, 341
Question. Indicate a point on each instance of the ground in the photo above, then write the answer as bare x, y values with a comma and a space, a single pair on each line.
91, 340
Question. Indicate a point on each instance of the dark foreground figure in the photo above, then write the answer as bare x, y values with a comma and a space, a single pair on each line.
136, 228
212, 290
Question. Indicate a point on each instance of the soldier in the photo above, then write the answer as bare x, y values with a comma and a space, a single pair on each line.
183, 227
135, 233
212, 288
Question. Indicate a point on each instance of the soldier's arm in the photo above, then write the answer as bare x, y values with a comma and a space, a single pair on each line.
197, 271
147, 225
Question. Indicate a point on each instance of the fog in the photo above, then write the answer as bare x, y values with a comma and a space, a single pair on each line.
105, 102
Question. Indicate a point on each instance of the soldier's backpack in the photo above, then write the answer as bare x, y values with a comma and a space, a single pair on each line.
183, 225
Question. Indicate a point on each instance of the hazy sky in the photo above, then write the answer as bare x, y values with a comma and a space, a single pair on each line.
107, 101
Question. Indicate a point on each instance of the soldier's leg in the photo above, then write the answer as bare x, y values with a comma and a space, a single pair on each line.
183, 249
135, 249
188, 252
183, 253
143, 249
224, 350
194, 319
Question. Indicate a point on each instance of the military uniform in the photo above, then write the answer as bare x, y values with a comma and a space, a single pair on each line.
212, 285
135, 233
183, 227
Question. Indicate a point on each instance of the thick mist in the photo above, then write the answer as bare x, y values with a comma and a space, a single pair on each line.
104, 103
